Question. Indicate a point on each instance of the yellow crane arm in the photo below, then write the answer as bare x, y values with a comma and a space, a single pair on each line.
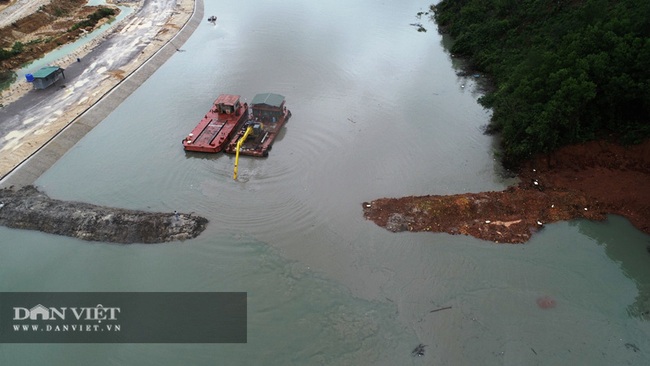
239, 143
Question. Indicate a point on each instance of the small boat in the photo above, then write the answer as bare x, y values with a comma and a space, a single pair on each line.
212, 19
217, 127
268, 115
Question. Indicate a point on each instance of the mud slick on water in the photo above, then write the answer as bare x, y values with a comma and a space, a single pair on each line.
28, 208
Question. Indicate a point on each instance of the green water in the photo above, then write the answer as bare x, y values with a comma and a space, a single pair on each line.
377, 112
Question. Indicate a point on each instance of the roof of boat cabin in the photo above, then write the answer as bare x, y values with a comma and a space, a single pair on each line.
270, 99
46, 71
228, 99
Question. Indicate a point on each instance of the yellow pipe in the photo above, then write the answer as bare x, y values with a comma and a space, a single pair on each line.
239, 143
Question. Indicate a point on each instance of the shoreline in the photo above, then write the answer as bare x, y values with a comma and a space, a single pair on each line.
584, 181
30, 209
29, 152
596, 182
19, 88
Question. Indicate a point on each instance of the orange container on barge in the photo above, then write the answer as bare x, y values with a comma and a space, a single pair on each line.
217, 128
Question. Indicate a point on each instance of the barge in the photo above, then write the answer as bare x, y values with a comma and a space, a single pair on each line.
268, 115
217, 127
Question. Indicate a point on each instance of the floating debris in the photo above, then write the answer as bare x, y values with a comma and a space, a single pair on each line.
443, 308
419, 26
419, 350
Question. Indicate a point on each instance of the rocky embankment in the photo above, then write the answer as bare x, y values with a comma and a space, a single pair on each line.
28, 208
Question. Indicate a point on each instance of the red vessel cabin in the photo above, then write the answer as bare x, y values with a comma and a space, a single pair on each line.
217, 127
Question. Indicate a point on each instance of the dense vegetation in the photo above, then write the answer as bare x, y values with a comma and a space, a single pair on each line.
94, 18
563, 71
16, 49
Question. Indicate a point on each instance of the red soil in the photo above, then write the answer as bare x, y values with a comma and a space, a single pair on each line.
588, 181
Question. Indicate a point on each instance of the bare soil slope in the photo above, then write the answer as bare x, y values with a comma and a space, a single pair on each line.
44, 30
583, 181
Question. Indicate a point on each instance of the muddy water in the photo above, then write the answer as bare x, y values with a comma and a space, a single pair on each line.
377, 111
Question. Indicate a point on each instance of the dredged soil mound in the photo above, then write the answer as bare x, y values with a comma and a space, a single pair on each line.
587, 181
28, 208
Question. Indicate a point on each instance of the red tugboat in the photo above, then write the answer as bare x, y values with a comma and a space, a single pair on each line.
269, 114
216, 129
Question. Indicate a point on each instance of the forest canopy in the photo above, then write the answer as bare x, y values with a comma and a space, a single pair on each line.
563, 71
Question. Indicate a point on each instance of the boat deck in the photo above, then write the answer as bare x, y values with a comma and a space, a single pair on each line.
268, 116
260, 144
209, 133
216, 128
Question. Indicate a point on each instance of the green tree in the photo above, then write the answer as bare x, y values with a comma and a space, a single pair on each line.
564, 71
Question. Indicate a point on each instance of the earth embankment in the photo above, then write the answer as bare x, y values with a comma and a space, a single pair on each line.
28, 208
585, 181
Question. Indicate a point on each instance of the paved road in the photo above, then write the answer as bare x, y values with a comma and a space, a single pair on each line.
41, 107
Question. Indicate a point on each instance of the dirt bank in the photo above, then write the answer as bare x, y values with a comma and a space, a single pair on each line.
584, 181
28, 208
13, 10
47, 28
